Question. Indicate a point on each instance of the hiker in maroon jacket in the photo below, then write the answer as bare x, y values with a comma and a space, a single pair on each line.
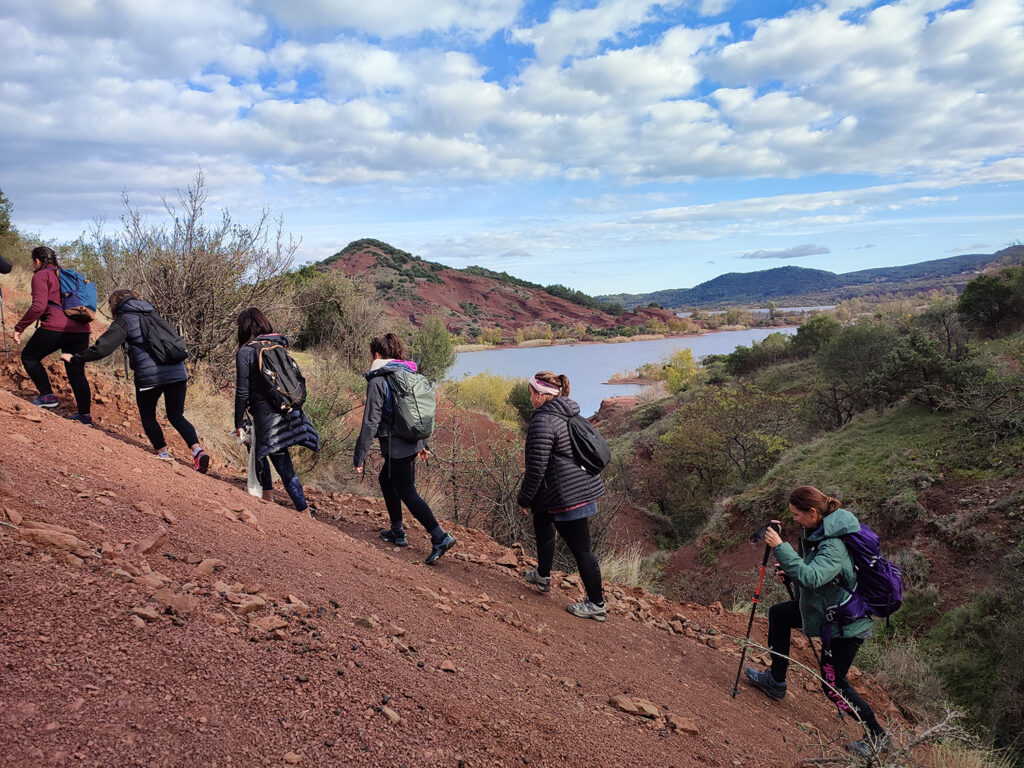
56, 331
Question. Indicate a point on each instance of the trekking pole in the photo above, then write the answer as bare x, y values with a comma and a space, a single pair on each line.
777, 526
3, 323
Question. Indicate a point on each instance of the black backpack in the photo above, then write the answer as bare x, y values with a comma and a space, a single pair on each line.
286, 386
589, 450
161, 340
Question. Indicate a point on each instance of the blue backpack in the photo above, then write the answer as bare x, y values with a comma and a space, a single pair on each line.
77, 295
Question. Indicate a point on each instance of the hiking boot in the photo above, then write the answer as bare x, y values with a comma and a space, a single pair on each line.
870, 746
763, 679
543, 583
588, 610
82, 418
46, 401
398, 539
201, 462
440, 548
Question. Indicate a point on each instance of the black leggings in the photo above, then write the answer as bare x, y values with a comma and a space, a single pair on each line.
577, 536
398, 483
174, 403
45, 342
784, 617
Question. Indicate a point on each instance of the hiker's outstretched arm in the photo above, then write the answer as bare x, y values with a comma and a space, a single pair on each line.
105, 345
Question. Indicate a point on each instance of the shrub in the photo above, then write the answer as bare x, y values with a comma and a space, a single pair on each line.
487, 393
490, 335
338, 314
433, 348
897, 662
631, 568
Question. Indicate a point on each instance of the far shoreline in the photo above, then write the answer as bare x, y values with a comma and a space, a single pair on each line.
468, 348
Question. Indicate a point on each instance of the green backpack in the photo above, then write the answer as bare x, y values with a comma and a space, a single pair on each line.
412, 405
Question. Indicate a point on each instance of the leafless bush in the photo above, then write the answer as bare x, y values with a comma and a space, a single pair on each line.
198, 275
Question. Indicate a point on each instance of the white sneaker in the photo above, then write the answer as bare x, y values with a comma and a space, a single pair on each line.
588, 610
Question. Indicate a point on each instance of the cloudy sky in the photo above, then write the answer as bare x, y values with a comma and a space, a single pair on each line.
611, 145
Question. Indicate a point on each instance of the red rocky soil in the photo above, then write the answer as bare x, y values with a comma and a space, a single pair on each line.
152, 616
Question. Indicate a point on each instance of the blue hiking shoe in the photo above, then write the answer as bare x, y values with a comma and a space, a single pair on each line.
398, 539
82, 418
46, 401
763, 679
440, 548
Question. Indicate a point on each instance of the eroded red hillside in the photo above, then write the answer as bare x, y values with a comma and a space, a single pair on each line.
465, 299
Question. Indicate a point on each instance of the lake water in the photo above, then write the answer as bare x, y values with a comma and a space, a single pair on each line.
588, 366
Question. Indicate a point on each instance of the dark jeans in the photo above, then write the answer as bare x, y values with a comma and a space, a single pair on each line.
283, 464
577, 536
398, 484
784, 617
174, 403
45, 342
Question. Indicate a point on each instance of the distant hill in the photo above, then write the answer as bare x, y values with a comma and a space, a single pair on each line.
474, 297
818, 286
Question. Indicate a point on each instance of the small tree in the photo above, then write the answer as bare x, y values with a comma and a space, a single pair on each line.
810, 336
992, 304
680, 371
433, 348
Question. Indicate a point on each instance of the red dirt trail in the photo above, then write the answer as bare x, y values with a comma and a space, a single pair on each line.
260, 638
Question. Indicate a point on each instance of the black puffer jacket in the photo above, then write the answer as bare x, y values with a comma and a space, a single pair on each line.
127, 329
552, 479
275, 431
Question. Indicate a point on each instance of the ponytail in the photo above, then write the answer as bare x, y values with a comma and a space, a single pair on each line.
45, 255
560, 380
388, 346
807, 497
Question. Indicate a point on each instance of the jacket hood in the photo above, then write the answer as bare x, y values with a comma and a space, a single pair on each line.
839, 523
383, 365
139, 306
560, 405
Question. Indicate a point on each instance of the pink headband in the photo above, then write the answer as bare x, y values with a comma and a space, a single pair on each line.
544, 387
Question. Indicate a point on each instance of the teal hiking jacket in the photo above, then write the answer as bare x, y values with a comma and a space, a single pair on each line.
825, 558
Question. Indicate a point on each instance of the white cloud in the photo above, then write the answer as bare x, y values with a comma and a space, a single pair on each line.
395, 18
571, 32
796, 252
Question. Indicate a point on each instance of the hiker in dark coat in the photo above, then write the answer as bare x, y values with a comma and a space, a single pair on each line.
825, 577
55, 331
560, 494
152, 379
397, 477
274, 432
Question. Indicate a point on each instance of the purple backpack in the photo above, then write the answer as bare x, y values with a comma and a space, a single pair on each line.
879, 589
